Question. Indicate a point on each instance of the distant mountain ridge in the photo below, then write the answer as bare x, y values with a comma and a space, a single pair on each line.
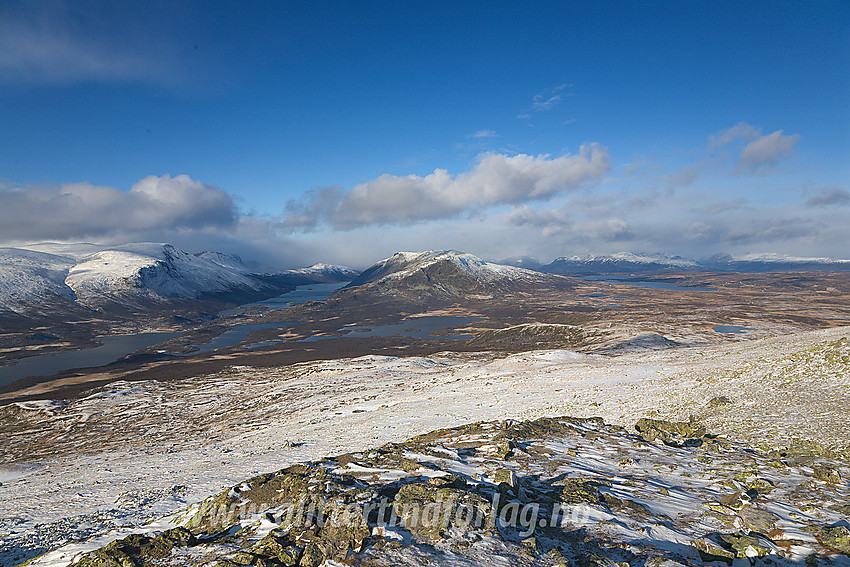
626, 262
757, 263
325, 273
622, 262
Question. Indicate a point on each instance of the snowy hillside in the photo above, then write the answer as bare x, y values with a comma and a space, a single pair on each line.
156, 272
758, 477
52, 276
28, 277
231, 261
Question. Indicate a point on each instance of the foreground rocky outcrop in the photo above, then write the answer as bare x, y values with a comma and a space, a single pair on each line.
553, 491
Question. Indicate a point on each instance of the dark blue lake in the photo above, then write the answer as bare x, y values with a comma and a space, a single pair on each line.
301, 294
235, 336
113, 348
117, 346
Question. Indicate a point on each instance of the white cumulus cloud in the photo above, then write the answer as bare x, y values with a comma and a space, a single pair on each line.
761, 150
729, 135
765, 150
496, 179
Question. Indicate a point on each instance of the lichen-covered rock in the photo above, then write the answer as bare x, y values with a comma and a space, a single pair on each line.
428, 509
617, 504
758, 520
543, 427
345, 530
449, 496
711, 551
758, 486
505, 449
826, 473
506, 477
837, 538
577, 491
277, 549
221, 512
138, 550
743, 545
313, 556
673, 433
215, 514
718, 401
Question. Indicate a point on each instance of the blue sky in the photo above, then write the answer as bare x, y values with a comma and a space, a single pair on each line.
343, 132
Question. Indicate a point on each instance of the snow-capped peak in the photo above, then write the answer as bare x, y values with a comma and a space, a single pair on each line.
407, 264
161, 270
321, 268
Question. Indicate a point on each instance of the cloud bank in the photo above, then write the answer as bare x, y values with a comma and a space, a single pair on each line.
829, 197
504, 205
83, 211
496, 179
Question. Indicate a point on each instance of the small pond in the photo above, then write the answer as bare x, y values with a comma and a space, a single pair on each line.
117, 346
736, 329
419, 327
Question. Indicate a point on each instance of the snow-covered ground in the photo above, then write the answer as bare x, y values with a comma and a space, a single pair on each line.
136, 451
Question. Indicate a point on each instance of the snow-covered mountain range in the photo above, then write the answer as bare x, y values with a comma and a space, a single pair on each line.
49, 276
325, 273
622, 262
626, 262
138, 275
774, 263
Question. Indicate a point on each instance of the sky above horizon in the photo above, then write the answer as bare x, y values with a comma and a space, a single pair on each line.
292, 133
